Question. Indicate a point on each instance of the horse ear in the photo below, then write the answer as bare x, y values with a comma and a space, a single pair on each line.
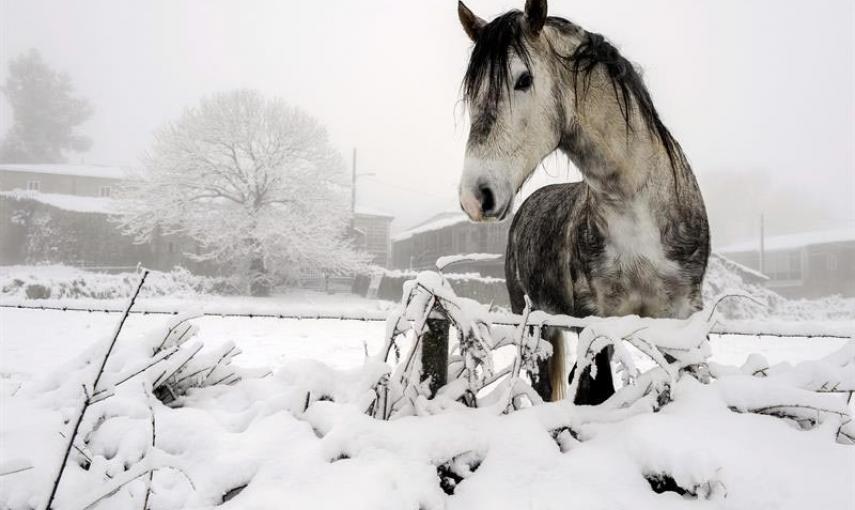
535, 15
472, 24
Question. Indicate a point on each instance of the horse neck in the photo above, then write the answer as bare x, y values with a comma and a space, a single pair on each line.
617, 160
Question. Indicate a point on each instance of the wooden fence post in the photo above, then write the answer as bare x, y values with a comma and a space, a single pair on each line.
435, 354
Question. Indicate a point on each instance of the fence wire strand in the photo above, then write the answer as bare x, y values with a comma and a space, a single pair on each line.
722, 329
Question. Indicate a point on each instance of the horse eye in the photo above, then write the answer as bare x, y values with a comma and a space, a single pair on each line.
523, 82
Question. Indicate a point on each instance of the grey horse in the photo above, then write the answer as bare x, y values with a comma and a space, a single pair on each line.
632, 237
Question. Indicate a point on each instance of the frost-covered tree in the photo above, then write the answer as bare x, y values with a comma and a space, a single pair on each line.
255, 182
46, 113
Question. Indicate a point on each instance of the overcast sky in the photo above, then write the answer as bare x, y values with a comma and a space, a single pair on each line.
761, 94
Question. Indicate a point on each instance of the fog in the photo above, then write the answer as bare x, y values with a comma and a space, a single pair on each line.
194, 315
760, 94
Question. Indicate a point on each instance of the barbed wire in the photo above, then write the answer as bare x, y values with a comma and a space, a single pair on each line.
726, 328
343, 316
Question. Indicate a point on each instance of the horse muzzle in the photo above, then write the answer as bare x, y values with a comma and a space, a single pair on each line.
485, 202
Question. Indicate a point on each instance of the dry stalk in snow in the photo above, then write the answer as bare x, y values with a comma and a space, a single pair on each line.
87, 400
150, 479
678, 348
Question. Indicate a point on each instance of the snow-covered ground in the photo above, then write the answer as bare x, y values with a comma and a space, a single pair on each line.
36, 341
260, 433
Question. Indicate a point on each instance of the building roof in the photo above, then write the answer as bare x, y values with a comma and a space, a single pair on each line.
792, 241
741, 269
368, 211
468, 258
74, 203
436, 222
106, 172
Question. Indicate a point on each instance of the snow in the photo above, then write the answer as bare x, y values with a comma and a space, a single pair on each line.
370, 211
792, 241
264, 341
331, 455
438, 222
20, 283
75, 203
59, 283
300, 437
106, 172
443, 262
842, 328
740, 269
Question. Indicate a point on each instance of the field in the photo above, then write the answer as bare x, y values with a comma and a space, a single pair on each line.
299, 438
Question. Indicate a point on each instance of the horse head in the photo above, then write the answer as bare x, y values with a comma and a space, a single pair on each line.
513, 99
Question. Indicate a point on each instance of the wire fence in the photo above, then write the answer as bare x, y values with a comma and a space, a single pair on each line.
755, 328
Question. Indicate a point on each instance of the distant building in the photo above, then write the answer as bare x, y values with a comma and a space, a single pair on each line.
77, 180
806, 265
373, 234
451, 233
60, 214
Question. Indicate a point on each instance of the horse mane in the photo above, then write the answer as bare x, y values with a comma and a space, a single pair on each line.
489, 61
627, 85
489, 58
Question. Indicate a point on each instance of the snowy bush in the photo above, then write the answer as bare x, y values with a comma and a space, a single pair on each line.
471, 285
35, 291
64, 282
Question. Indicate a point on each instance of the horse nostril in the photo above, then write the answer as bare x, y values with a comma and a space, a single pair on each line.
488, 201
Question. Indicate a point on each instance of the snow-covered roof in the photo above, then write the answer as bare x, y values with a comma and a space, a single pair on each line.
66, 202
450, 260
740, 268
791, 241
368, 211
107, 172
440, 221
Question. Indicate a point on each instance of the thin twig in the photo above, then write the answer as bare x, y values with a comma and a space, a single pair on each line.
217, 364
783, 407
81, 452
12, 472
728, 296
173, 328
152, 362
82, 411
193, 354
153, 440
130, 479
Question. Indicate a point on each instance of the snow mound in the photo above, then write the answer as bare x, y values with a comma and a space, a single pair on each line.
302, 437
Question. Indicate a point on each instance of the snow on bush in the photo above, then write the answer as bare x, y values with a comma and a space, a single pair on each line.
65, 282
680, 431
723, 277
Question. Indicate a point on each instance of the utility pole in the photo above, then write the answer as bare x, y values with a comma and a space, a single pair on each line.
353, 189
762, 244
353, 177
